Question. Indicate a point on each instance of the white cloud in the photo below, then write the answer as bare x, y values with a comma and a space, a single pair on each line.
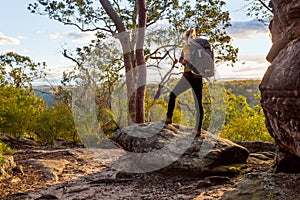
25, 50
20, 37
6, 40
57, 70
259, 59
74, 36
247, 29
248, 70
58, 36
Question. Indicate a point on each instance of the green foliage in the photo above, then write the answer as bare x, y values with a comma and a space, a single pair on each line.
236, 106
87, 124
19, 71
107, 121
260, 10
4, 150
22, 114
244, 123
224, 112
209, 19
89, 15
246, 88
214, 104
111, 17
155, 110
247, 128
1, 157
56, 122
19, 111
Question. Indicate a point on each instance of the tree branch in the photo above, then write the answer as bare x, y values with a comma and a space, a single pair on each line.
267, 7
156, 50
154, 20
164, 80
113, 15
186, 105
71, 58
86, 30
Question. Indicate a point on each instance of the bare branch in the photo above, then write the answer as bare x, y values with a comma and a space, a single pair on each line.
71, 58
267, 7
159, 48
164, 80
154, 20
186, 105
86, 30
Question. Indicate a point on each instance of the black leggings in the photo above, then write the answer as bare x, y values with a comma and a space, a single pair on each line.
188, 80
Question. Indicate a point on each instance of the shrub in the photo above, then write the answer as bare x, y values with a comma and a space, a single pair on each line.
19, 111
246, 128
244, 123
4, 150
56, 122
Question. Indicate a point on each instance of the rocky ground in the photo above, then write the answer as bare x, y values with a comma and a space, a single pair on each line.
48, 172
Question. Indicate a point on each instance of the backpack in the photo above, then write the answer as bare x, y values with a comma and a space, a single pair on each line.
202, 58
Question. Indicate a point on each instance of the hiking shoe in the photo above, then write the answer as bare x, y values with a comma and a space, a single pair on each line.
168, 121
197, 133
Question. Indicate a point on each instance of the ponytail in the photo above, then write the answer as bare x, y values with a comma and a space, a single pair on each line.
190, 34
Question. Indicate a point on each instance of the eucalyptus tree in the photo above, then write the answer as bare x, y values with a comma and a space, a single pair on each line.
260, 10
128, 20
19, 71
19, 106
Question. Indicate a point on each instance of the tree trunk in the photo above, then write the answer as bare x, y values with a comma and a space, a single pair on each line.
140, 60
126, 48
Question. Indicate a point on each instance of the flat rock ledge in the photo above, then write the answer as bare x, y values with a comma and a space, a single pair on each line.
174, 150
263, 185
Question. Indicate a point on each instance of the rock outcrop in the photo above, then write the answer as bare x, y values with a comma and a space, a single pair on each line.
262, 185
280, 87
51, 172
175, 150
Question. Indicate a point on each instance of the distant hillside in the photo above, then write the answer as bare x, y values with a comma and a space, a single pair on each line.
246, 88
47, 95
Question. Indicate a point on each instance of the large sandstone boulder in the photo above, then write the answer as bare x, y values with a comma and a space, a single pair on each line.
175, 150
280, 87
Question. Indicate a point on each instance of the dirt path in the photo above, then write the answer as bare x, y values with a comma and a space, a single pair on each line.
73, 173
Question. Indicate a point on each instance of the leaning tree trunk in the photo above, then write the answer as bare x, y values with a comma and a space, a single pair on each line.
124, 38
280, 87
140, 60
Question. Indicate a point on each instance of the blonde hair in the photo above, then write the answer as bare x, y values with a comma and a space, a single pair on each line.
190, 34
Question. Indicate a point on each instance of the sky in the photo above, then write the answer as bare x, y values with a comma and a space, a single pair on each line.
43, 40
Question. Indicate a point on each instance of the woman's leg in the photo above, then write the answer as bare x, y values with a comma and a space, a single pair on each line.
171, 105
182, 85
197, 86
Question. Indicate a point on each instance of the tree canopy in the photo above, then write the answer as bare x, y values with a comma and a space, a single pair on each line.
209, 17
127, 21
260, 10
19, 71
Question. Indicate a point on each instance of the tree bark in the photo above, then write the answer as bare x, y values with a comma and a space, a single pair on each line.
140, 60
124, 38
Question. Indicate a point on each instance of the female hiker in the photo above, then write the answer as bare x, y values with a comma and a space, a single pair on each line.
188, 80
